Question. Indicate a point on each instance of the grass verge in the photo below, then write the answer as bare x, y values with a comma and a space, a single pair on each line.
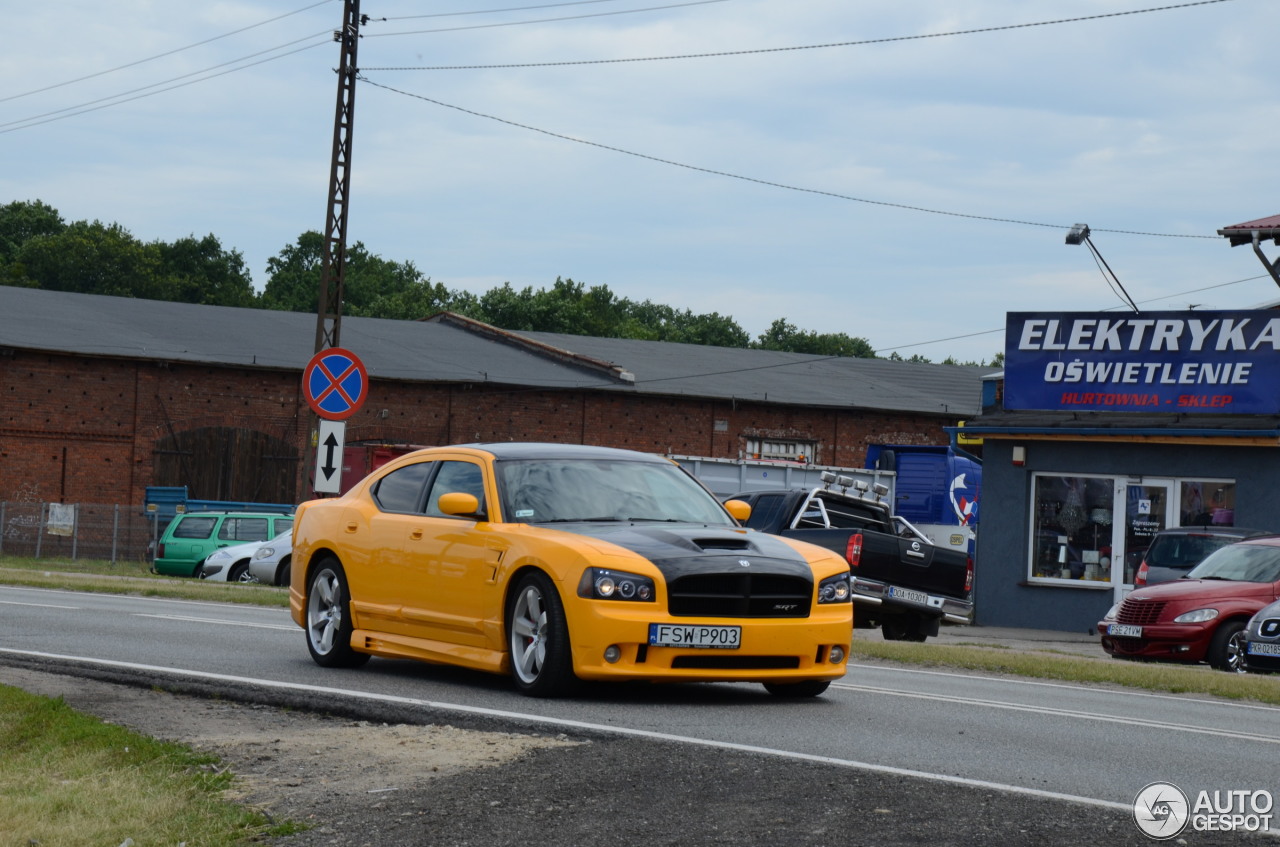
1047, 664
69, 779
106, 578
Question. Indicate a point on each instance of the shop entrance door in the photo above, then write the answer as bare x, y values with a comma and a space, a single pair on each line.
1148, 508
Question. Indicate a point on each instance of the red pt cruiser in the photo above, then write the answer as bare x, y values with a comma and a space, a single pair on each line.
1202, 616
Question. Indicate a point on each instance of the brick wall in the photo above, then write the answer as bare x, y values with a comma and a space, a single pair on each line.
85, 430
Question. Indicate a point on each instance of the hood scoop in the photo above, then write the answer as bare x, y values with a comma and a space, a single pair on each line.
723, 543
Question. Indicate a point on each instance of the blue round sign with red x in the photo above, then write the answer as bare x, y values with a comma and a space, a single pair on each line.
335, 384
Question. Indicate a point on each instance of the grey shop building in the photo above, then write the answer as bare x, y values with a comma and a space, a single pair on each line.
1105, 428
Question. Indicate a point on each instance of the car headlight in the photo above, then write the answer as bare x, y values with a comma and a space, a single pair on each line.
1111, 613
264, 553
1198, 616
835, 589
605, 584
221, 554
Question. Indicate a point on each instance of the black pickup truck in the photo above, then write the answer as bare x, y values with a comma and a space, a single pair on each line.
902, 582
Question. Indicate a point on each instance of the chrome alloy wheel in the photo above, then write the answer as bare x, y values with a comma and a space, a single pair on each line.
324, 612
529, 634
1235, 653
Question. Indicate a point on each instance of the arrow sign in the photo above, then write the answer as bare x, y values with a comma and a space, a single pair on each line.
332, 437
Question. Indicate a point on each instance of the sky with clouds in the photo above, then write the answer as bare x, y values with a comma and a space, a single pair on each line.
905, 172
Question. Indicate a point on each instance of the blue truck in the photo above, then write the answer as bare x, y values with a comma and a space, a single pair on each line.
937, 489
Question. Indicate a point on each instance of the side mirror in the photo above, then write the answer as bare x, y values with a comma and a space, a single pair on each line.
739, 509
460, 504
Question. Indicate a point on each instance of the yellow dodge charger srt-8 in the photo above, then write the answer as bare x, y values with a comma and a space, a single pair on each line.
559, 563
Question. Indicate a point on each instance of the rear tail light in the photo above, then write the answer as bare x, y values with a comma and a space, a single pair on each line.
968, 576
853, 550
160, 552
1140, 578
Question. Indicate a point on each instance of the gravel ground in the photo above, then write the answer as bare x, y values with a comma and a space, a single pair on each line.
390, 779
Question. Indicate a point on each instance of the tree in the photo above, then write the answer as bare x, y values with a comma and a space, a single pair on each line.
294, 283
785, 336
22, 221
200, 271
93, 258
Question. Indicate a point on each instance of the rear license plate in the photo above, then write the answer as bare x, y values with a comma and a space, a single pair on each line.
1123, 630
1258, 649
908, 594
683, 635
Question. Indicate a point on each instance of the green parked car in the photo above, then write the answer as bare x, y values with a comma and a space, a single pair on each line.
191, 537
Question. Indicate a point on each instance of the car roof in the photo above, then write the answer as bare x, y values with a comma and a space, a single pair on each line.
552, 450
236, 514
1240, 531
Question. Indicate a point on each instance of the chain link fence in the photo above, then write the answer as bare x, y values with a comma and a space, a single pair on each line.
96, 531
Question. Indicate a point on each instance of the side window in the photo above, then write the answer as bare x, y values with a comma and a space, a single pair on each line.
282, 525
401, 490
455, 476
244, 529
844, 515
765, 510
195, 527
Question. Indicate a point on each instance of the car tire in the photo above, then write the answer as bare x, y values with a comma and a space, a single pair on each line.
283, 573
797, 690
1226, 650
541, 663
328, 618
238, 572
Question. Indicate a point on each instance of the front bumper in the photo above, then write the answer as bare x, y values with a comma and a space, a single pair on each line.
771, 649
1165, 642
1269, 663
870, 592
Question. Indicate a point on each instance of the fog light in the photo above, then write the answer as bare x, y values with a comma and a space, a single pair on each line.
612, 653
837, 655
1181, 648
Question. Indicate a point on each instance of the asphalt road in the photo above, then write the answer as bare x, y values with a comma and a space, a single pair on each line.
890, 755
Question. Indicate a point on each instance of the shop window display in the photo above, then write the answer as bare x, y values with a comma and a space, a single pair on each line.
1075, 517
1073, 526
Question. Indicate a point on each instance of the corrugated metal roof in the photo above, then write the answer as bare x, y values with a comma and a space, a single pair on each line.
450, 350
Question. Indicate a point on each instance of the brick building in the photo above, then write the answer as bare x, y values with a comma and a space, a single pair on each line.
104, 396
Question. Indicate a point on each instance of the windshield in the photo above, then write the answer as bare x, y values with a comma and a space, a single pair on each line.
1185, 550
1243, 562
563, 490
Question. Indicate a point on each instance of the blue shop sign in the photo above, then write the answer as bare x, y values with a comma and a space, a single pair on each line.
1200, 362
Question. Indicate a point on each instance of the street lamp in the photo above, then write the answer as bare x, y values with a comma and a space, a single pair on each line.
1079, 234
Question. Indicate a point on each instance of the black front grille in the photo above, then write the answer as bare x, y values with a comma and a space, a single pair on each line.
1140, 611
740, 595
713, 661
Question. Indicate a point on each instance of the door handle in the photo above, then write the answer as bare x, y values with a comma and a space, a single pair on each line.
351, 527
415, 535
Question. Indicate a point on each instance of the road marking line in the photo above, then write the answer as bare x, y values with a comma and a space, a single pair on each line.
37, 605
218, 621
593, 727
1073, 687
1065, 713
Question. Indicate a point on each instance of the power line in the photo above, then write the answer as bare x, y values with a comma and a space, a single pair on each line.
117, 99
567, 18
1108, 309
162, 55
496, 11
720, 54
765, 182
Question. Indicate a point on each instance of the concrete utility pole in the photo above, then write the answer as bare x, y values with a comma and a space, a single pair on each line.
333, 267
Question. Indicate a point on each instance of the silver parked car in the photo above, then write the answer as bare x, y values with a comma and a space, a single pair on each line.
1262, 640
270, 564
